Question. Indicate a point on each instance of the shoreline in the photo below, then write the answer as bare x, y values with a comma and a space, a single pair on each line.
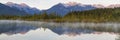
52, 21
65, 24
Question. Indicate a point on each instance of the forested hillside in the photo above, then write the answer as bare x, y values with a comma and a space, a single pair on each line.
97, 15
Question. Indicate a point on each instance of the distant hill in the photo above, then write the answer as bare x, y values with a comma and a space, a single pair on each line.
6, 10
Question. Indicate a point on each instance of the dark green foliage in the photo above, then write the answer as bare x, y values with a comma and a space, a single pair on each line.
36, 17
97, 15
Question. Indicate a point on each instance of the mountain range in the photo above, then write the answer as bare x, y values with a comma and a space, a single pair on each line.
6, 10
23, 7
62, 9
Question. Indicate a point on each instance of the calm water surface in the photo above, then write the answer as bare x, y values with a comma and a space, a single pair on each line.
31, 30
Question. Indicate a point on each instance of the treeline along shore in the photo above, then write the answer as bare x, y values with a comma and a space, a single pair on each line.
96, 15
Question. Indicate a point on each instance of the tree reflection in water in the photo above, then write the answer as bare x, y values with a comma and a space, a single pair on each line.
59, 28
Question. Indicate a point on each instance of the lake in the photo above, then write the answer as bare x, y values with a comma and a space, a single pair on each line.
36, 30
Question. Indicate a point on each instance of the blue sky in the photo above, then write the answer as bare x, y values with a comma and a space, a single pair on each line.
45, 4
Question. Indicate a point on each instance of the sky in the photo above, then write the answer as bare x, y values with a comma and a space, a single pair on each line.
46, 4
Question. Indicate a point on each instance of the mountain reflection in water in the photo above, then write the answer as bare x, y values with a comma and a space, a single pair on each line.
71, 29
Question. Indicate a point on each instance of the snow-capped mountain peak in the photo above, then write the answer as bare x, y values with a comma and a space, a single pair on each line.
16, 5
98, 5
71, 3
9, 3
24, 5
113, 6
